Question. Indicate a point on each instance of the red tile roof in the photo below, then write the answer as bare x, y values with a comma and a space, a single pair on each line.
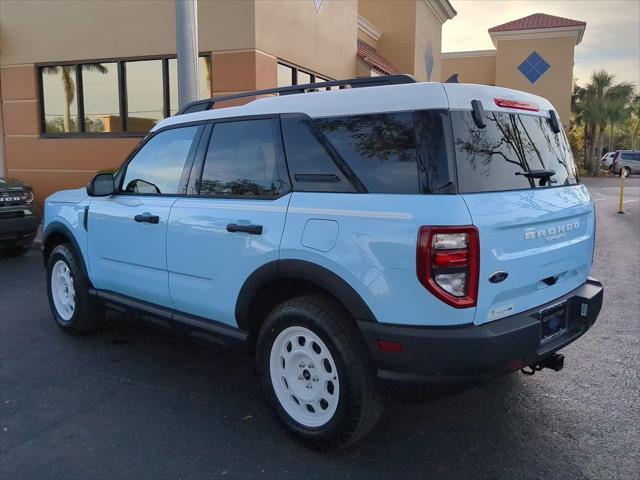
536, 21
375, 60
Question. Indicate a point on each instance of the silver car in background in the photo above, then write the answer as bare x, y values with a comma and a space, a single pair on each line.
626, 162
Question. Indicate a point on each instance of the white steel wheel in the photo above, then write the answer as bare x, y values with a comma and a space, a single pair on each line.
304, 377
62, 291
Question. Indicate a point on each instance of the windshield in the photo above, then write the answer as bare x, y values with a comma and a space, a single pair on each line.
506, 154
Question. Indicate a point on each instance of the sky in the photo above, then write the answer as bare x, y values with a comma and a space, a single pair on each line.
611, 40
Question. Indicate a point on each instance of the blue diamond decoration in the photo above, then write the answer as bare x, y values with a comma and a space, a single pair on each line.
533, 67
429, 61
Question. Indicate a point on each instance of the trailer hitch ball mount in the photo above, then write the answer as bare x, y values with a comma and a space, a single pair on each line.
554, 362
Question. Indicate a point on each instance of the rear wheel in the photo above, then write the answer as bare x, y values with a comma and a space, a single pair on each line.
625, 172
68, 292
316, 372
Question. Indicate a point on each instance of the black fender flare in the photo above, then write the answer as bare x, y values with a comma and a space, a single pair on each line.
300, 270
61, 228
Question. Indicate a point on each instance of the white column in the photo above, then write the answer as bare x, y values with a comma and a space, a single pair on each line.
187, 49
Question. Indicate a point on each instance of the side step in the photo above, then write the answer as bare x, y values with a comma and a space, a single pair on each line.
198, 327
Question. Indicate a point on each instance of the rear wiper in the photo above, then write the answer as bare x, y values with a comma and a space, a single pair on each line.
543, 175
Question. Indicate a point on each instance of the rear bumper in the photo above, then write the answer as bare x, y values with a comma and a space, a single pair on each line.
432, 353
18, 226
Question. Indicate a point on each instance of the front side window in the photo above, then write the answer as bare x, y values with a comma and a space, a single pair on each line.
242, 160
379, 148
506, 153
159, 166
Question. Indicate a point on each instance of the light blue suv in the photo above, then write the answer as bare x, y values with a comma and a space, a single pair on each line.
384, 229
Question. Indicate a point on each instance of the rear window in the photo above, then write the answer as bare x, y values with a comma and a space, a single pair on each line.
493, 158
401, 152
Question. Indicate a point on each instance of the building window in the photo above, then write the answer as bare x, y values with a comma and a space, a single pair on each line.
204, 81
144, 94
60, 101
100, 96
288, 75
123, 96
285, 75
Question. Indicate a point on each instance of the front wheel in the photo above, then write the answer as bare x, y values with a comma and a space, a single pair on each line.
625, 172
316, 372
68, 292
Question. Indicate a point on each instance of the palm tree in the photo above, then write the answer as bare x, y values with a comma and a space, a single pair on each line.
599, 104
68, 85
617, 109
634, 111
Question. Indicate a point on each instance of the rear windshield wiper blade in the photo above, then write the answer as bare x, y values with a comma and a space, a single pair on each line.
545, 174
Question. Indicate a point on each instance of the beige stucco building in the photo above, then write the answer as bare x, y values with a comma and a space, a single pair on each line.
534, 54
81, 82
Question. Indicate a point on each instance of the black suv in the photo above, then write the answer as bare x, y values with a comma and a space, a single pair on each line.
19, 217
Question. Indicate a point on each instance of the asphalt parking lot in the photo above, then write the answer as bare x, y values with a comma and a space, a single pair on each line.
134, 402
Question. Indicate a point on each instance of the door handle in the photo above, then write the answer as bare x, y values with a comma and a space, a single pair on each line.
147, 217
251, 229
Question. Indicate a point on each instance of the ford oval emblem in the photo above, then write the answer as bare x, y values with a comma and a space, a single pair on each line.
498, 277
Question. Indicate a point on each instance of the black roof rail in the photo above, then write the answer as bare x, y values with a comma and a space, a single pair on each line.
206, 104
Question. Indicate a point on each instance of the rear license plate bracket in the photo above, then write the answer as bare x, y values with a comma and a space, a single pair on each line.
553, 321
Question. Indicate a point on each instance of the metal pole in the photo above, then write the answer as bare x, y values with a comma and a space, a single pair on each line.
620, 206
187, 49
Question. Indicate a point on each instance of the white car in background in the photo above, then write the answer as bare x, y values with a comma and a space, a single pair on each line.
607, 160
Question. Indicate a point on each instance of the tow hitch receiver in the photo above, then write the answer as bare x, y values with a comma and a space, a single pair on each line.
555, 362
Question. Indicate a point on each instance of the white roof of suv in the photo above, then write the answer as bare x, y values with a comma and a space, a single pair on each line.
375, 99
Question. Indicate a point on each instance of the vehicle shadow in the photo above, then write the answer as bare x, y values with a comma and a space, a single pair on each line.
480, 429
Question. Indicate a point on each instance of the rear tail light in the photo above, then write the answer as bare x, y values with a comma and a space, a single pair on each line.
448, 263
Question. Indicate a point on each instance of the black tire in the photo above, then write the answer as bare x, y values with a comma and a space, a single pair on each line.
359, 405
86, 315
625, 172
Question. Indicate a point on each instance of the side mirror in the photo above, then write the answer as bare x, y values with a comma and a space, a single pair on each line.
102, 185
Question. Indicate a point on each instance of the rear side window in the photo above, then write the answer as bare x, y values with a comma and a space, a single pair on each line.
311, 166
435, 169
242, 160
379, 148
633, 156
495, 158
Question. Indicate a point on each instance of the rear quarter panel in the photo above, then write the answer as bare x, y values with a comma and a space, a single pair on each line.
369, 240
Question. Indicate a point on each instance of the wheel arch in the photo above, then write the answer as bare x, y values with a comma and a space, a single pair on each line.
297, 277
57, 233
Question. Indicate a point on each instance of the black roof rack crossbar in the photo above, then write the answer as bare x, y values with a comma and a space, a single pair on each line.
206, 104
